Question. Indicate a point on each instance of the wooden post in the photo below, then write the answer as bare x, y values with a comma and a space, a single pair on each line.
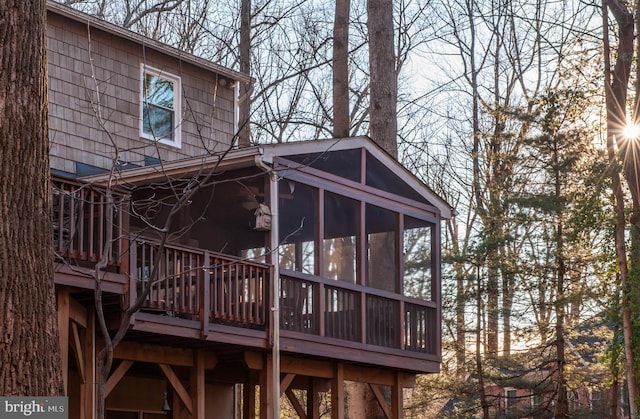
396, 397
266, 389
337, 392
198, 385
205, 296
88, 387
63, 328
249, 397
313, 408
133, 277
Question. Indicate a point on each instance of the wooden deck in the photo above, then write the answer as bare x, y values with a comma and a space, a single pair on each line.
214, 298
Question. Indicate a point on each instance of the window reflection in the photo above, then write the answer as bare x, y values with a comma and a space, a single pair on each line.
158, 107
382, 259
340, 231
417, 258
298, 226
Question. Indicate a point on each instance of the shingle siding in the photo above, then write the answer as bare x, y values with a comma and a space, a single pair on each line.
112, 84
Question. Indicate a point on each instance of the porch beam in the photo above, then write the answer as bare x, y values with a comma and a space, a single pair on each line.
253, 360
117, 375
77, 313
306, 367
77, 350
176, 384
377, 376
156, 354
381, 401
286, 382
296, 404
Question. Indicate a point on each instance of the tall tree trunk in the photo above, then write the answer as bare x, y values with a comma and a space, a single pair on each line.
616, 85
382, 73
508, 292
562, 406
492, 289
244, 105
479, 368
29, 347
382, 117
341, 70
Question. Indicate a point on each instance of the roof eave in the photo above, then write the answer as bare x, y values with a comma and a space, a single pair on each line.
93, 21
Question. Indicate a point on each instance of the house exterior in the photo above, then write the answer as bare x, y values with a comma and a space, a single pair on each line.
263, 272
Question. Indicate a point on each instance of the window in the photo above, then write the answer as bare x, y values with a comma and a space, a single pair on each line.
598, 401
160, 106
536, 400
573, 398
510, 400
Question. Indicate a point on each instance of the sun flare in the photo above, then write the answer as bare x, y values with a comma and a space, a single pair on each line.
631, 131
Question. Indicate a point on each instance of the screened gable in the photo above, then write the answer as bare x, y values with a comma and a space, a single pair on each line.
348, 164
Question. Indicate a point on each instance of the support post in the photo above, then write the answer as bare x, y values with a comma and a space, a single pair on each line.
63, 328
337, 392
198, 385
313, 408
396, 397
88, 387
249, 397
266, 389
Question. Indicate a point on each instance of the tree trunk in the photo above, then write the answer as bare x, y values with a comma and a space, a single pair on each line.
341, 70
616, 85
29, 347
244, 102
382, 73
461, 327
562, 406
479, 368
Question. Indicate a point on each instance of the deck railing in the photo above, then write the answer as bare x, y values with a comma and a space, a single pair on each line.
341, 310
190, 282
80, 222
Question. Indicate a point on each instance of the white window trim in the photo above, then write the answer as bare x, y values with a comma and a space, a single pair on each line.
177, 92
508, 408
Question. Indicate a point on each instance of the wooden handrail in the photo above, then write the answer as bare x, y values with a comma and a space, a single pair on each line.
79, 222
356, 313
235, 292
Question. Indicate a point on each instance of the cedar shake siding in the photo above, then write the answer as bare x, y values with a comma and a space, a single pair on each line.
94, 72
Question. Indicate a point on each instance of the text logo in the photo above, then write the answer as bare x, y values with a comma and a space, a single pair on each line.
34, 407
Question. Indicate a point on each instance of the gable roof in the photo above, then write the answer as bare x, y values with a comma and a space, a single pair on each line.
342, 144
265, 154
92, 21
